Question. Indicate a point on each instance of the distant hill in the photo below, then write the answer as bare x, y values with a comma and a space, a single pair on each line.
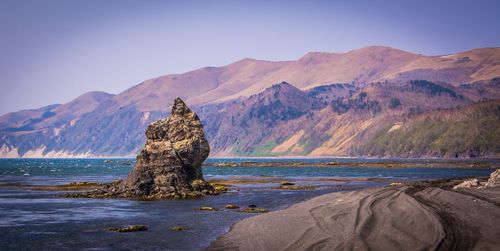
374, 101
470, 131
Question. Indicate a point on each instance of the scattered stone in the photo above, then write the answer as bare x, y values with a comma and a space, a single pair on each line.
254, 210
133, 228
231, 206
468, 184
494, 179
220, 189
177, 228
125, 163
207, 209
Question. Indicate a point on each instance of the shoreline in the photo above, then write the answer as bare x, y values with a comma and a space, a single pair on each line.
419, 215
497, 158
362, 164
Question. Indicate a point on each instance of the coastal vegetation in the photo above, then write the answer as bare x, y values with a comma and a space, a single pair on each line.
473, 131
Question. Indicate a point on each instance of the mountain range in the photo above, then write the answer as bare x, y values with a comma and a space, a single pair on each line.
374, 101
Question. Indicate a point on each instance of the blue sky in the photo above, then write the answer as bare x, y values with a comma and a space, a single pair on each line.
54, 50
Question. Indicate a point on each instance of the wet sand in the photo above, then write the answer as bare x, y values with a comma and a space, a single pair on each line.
418, 216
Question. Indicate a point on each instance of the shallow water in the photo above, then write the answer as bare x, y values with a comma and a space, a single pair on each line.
40, 220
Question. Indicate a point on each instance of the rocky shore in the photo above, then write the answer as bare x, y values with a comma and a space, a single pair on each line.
433, 215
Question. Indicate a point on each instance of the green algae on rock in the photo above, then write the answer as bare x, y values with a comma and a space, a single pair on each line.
206, 209
295, 187
177, 228
73, 186
253, 210
132, 228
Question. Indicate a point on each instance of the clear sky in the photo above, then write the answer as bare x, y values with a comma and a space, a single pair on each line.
51, 51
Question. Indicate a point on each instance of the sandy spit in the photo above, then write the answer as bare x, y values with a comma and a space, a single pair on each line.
420, 216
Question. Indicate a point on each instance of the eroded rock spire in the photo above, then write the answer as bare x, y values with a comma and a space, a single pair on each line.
169, 165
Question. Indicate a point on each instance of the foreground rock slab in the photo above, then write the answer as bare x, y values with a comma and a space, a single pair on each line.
169, 165
421, 216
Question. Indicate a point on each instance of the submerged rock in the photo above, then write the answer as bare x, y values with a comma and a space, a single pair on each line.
231, 206
177, 228
257, 210
206, 209
295, 187
169, 165
133, 228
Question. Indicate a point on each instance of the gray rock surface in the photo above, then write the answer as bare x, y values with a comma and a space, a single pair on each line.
494, 180
425, 216
467, 184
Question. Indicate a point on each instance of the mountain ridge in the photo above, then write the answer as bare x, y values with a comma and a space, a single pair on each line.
339, 91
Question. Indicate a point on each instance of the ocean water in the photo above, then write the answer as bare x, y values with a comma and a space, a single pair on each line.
42, 220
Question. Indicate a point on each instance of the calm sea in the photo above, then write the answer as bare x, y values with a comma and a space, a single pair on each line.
41, 220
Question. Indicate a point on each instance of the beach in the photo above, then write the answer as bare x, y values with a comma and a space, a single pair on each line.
419, 216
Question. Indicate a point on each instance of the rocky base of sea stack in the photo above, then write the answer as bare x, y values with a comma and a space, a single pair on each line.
199, 189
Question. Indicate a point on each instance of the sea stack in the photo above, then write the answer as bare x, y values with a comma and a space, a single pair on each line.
169, 165
170, 162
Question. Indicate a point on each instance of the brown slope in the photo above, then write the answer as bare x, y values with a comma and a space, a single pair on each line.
249, 76
17, 119
83, 104
56, 114
470, 66
198, 86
